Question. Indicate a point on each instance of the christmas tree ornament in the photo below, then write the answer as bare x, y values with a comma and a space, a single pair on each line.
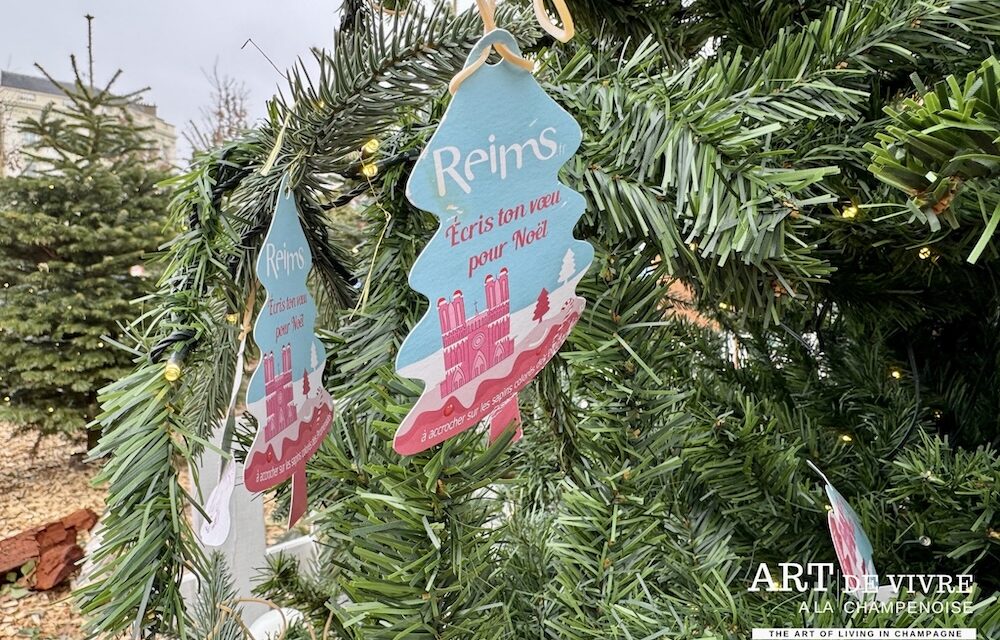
502, 269
854, 550
286, 393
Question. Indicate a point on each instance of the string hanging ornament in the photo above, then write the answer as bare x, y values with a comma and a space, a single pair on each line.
487, 11
501, 271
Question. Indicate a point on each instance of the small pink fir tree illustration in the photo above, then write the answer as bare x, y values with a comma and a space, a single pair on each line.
541, 306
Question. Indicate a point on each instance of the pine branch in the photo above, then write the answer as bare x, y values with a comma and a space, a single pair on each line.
944, 143
216, 594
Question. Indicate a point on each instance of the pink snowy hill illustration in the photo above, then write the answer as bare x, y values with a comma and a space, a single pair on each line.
487, 358
298, 414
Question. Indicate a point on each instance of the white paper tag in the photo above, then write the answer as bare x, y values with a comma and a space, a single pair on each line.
215, 530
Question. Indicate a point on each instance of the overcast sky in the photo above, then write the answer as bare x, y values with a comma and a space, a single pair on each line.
166, 44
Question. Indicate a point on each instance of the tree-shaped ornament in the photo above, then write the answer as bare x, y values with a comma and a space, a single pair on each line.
286, 393
854, 549
501, 300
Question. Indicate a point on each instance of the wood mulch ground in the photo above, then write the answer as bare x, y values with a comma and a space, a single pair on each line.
41, 486
35, 488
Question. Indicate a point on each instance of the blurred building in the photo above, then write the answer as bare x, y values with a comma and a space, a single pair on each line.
24, 96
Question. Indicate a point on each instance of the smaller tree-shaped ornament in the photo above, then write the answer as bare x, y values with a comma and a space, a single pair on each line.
290, 429
490, 174
854, 549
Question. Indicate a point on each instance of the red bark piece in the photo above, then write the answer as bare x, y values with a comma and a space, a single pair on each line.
82, 520
56, 564
53, 545
16, 551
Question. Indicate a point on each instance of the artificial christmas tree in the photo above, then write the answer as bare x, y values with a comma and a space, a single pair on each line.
654, 475
76, 233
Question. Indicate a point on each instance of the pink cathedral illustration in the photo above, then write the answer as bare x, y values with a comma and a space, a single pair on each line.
281, 412
474, 345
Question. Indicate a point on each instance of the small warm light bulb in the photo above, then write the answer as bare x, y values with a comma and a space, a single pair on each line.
172, 371
723, 306
231, 318
897, 374
371, 146
6, 398
924, 253
846, 438
693, 246
369, 170
828, 507
850, 212
51, 409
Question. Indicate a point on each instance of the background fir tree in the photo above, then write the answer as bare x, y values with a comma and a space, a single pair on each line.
661, 459
77, 232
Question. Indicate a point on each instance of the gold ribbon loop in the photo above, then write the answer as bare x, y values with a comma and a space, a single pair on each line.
562, 35
487, 11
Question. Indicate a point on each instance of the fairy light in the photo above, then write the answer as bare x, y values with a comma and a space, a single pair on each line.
172, 372
369, 170
850, 212
896, 374
828, 507
51, 409
846, 438
371, 146
924, 253
724, 306
231, 318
